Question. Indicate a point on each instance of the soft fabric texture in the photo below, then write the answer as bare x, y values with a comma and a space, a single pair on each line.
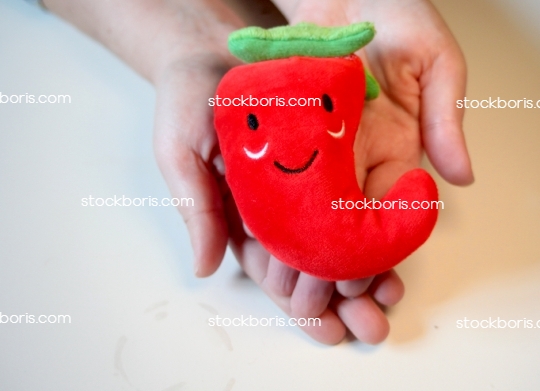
253, 44
286, 165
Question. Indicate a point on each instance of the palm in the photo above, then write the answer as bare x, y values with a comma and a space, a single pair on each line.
413, 56
388, 142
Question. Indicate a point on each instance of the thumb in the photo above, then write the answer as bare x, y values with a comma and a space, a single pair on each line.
185, 145
188, 175
441, 120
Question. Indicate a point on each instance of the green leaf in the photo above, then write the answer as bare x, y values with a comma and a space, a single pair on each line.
372, 86
253, 44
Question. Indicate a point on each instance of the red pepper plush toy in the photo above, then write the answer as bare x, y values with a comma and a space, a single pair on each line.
290, 165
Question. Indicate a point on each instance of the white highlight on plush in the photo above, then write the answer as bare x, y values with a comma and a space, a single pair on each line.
339, 134
256, 155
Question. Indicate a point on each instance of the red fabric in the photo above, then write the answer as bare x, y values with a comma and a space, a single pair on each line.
291, 213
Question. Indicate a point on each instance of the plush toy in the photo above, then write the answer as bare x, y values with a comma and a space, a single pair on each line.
291, 167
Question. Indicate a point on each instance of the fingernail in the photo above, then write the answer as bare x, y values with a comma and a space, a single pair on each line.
219, 164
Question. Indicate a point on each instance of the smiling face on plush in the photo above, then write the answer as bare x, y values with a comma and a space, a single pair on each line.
285, 166
278, 143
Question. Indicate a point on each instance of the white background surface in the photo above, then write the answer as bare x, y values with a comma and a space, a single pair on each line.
124, 275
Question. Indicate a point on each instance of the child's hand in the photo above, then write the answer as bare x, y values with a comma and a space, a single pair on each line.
181, 47
422, 73
186, 149
185, 142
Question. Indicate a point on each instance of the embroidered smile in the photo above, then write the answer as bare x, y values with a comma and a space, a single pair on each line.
297, 170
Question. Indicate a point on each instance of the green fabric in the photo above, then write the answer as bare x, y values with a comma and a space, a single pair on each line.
253, 44
372, 86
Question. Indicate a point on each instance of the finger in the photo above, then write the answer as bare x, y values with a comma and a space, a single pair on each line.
254, 260
219, 164
281, 279
251, 256
441, 120
387, 288
188, 177
327, 328
310, 296
363, 318
329, 331
353, 288
185, 146
248, 231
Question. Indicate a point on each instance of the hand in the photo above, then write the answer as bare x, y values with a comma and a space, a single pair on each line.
422, 73
188, 155
180, 46
185, 142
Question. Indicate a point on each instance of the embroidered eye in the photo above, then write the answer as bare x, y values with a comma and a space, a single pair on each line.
327, 103
252, 122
